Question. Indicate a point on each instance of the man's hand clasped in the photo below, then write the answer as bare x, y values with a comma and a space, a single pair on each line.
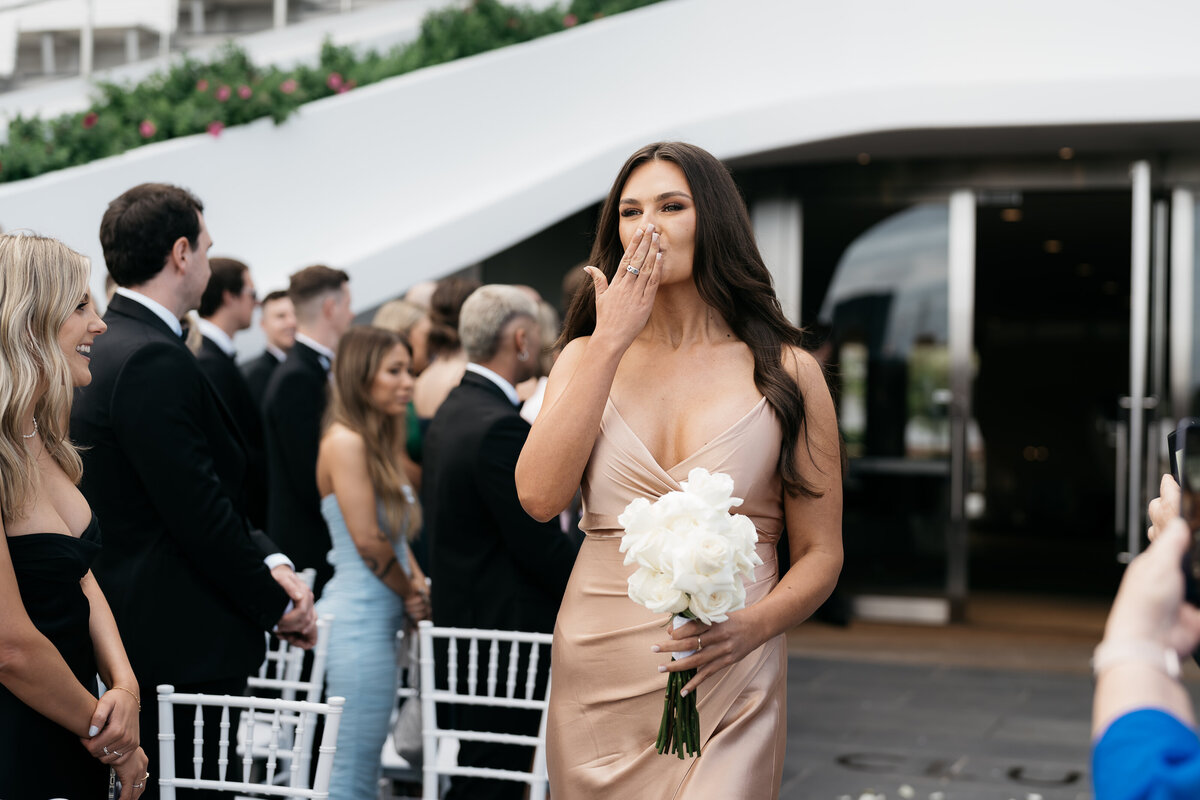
298, 626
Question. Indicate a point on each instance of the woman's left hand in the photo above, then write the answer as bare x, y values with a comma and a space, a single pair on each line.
116, 716
417, 606
717, 646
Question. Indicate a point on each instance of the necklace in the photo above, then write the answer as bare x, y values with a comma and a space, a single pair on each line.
35, 430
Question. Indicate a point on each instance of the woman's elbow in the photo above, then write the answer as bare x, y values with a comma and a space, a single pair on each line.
538, 505
14, 658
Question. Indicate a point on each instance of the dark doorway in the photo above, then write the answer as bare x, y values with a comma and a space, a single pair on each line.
1052, 342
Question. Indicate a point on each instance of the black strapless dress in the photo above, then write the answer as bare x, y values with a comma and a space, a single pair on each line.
38, 758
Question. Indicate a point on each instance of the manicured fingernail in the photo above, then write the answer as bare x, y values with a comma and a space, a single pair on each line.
640, 231
661, 668
658, 259
650, 227
654, 239
92, 731
683, 693
655, 648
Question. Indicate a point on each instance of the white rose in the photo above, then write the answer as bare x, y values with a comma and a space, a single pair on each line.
637, 516
714, 490
710, 607
650, 548
653, 590
743, 536
703, 552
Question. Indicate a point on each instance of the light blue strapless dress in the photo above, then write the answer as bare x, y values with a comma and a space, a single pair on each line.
361, 665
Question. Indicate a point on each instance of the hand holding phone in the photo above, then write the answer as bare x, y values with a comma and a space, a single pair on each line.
1184, 448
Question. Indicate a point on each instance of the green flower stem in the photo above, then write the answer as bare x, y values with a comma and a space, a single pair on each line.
679, 729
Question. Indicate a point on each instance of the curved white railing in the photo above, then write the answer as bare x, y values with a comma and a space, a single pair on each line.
424, 174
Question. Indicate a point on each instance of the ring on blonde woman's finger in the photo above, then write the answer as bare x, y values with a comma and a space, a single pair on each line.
632, 270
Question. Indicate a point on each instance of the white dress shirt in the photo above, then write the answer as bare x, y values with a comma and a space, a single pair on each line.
509, 390
158, 308
219, 337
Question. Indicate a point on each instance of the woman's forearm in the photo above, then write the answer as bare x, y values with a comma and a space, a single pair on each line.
799, 593
555, 454
111, 660
380, 558
1131, 685
34, 671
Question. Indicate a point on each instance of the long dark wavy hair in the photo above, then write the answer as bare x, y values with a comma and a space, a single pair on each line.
730, 275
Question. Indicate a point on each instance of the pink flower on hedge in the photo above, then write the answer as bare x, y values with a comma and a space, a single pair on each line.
334, 81
245, 92
570, 21
215, 127
223, 93
90, 119
147, 129
288, 86
347, 86
202, 85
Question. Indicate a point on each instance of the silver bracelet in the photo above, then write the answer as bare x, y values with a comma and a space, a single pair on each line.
1108, 654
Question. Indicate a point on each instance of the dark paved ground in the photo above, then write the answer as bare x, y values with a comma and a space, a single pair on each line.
940, 732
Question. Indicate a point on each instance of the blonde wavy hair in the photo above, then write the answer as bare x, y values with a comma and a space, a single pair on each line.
360, 355
42, 282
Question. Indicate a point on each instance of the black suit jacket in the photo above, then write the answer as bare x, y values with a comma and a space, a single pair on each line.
494, 566
222, 371
292, 411
163, 469
257, 373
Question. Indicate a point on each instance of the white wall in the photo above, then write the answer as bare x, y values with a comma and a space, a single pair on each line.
420, 175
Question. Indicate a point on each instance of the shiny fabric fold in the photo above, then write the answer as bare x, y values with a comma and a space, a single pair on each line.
607, 694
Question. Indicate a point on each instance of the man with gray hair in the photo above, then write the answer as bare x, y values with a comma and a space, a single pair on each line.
494, 566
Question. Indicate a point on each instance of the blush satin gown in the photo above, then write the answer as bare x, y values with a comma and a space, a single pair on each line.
607, 693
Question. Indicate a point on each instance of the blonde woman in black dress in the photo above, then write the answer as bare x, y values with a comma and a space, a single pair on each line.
56, 630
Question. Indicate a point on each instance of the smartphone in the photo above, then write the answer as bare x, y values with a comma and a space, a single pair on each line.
1184, 447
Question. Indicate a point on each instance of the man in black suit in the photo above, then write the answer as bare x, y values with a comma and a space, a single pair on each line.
278, 322
493, 565
292, 412
191, 586
226, 307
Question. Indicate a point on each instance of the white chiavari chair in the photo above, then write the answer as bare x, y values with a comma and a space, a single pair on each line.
507, 690
237, 774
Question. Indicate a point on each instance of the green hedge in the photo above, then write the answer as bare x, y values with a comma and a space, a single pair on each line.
194, 97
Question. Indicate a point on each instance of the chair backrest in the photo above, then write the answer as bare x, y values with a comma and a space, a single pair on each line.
281, 675
282, 669
479, 688
240, 778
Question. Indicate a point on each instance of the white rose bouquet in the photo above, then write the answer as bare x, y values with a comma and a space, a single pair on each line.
693, 556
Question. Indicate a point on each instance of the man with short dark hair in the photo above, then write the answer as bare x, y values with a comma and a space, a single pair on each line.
494, 566
277, 318
292, 412
191, 585
226, 307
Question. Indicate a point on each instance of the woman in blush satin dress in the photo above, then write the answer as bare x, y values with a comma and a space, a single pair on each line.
678, 356
372, 512
56, 629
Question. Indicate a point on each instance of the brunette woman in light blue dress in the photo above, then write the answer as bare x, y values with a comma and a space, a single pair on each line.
371, 511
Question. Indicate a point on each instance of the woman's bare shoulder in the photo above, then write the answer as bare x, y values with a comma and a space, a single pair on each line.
803, 368
340, 441
573, 350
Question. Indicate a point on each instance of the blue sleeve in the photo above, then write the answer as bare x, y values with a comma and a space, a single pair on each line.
1147, 755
